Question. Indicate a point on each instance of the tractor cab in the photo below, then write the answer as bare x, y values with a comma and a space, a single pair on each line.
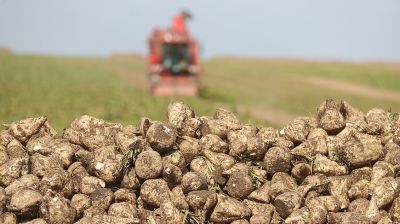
175, 58
173, 64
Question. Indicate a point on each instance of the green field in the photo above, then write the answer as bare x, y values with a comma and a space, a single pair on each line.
261, 91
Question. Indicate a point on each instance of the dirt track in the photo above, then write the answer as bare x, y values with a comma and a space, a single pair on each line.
274, 116
125, 72
352, 88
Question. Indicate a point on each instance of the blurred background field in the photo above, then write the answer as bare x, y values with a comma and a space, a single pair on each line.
260, 91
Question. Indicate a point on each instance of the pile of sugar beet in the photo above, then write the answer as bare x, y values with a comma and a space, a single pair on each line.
340, 166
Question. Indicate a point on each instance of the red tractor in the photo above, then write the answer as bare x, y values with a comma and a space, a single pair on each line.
173, 64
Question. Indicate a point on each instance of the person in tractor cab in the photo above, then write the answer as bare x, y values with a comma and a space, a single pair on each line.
179, 22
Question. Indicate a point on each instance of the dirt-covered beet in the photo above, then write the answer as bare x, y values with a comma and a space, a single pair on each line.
341, 166
148, 165
161, 136
25, 202
277, 159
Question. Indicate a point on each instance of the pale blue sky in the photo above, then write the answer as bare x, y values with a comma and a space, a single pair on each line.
314, 29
